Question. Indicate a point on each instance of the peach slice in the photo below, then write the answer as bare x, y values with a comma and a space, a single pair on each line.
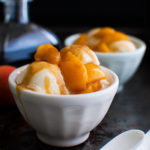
104, 31
92, 87
120, 36
47, 52
74, 72
116, 36
82, 52
102, 47
82, 39
94, 73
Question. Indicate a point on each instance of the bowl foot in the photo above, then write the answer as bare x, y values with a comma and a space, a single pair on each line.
120, 88
62, 142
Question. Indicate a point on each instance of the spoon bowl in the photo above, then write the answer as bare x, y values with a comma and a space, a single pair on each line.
129, 140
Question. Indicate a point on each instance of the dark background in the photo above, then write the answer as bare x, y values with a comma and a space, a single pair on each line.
127, 13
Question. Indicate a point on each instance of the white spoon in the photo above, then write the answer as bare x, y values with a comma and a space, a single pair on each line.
145, 145
129, 140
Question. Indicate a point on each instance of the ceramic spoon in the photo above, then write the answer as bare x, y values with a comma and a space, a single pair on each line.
129, 140
145, 145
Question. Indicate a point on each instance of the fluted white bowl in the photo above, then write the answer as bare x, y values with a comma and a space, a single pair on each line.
123, 64
64, 120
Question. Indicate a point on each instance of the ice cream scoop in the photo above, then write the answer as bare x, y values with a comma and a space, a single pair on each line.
42, 77
122, 46
106, 40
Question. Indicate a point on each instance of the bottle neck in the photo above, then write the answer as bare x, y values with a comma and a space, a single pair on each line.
16, 11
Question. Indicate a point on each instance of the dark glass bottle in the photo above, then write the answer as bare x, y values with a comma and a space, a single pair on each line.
19, 39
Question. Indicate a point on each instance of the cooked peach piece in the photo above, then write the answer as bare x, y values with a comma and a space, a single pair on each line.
75, 49
47, 52
104, 31
94, 73
82, 52
102, 47
116, 36
120, 36
92, 87
82, 39
74, 72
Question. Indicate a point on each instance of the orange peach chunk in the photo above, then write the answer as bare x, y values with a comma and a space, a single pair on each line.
92, 87
82, 52
82, 39
116, 36
105, 31
47, 52
102, 47
74, 72
94, 73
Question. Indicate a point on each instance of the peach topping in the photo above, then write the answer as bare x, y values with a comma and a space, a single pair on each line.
82, 52
94, 73
74, 72
47, 52
82, 39
99, 39
78, 65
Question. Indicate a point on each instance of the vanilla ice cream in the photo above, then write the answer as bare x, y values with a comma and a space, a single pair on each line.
122, 46
42, 77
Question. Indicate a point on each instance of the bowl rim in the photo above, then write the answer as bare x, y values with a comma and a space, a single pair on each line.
12, 84
141, 48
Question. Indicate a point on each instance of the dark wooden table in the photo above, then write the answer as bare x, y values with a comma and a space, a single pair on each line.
129, 110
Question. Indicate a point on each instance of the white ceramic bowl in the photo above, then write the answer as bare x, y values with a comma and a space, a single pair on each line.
123, 64
64, 120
